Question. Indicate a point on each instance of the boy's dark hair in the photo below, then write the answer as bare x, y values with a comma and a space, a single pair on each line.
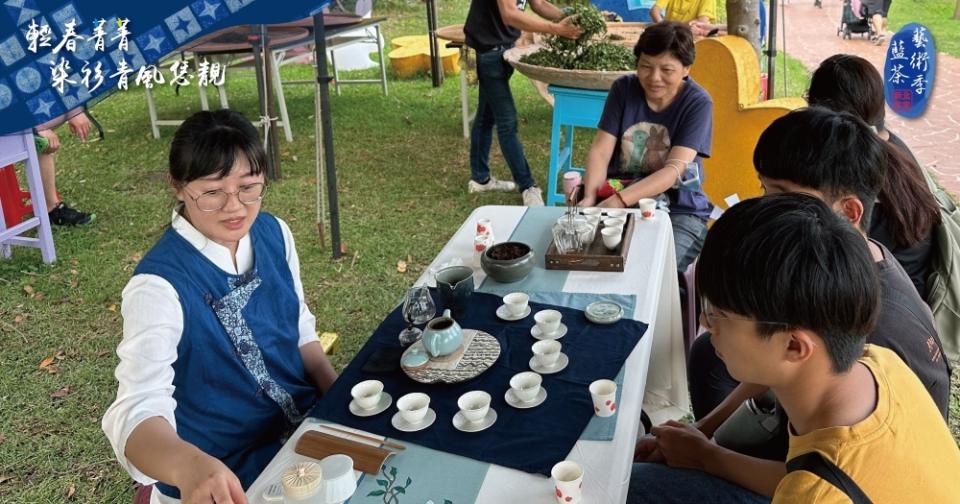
835, 153
208, 143
667, 36
849, 83
789, 259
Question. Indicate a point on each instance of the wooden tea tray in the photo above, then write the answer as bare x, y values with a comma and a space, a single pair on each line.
596, 257
318, 445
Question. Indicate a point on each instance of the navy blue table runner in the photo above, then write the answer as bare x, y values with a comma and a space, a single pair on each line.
531, 440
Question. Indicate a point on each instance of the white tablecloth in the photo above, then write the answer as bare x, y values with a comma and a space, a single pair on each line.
655, 371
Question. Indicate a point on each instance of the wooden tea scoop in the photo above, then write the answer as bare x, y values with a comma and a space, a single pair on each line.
367, 437
318, 445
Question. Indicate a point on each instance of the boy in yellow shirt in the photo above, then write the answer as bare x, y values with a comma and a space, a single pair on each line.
684, 11
790, 291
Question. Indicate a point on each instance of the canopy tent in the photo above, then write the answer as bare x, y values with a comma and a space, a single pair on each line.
93, 47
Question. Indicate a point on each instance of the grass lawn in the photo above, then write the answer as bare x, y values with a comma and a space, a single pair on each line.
402, 169
936, 15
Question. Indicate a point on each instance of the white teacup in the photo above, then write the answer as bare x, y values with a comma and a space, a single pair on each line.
611, 237
614, 222
591, 211
567, 481
547, 352
413, 407
548, 321
516, 302
647, 208
526, 385
604, 394
367, 393
616, 213
474, 405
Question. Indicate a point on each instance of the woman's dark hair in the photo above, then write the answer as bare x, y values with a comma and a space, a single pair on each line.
833, 152
790, 260
208, 143
667, 36
848, 83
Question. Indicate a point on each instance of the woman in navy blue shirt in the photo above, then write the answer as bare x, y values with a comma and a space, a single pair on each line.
655, 131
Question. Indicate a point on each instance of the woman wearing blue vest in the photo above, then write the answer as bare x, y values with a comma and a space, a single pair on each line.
220, 358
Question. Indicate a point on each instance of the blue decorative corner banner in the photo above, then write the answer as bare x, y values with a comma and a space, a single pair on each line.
56, 55
909, 70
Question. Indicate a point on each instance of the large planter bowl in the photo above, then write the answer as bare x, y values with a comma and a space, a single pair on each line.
582, 79
505, 267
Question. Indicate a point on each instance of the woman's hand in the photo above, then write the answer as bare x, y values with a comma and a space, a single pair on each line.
206, 480
80, 126
52, 138
587, 201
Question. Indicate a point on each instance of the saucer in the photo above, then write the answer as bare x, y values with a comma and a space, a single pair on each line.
461, 423
558, 366
402, 425
504, 314
515, 401
535, 332
385, 402
603, 312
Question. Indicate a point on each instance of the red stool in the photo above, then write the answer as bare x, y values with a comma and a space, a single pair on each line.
12, 198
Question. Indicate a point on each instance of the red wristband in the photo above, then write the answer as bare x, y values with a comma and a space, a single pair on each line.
625, 205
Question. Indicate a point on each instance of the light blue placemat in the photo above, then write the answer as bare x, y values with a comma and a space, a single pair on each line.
602, 429
535, 229
418, 475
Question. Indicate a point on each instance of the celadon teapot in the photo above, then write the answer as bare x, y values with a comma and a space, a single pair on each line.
442, 335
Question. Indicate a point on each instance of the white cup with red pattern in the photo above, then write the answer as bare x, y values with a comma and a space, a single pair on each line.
604, 394
484, 227
567, 482
647, 208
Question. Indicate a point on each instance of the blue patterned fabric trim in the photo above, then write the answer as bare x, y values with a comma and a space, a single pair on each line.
228, 311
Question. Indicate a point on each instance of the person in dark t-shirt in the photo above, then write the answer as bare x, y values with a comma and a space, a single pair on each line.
655, 131
492, 27
906, 211
840, 161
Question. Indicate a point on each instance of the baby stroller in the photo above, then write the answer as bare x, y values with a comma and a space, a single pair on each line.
853, 21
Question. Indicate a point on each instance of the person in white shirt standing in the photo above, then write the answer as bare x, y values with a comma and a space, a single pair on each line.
220, 358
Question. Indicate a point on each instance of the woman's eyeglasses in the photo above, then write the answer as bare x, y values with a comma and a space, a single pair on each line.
211, 201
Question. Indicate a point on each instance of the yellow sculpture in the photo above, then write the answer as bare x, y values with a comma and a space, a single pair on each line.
728, 69
411, 55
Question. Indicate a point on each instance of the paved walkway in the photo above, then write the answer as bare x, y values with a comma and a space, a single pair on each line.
934, 137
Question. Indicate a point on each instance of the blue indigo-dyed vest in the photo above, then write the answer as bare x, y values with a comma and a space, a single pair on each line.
239, 380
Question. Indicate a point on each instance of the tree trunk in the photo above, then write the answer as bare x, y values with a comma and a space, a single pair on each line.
956, 11
743, 20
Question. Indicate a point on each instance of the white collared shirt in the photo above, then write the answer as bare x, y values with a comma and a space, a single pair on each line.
152, 326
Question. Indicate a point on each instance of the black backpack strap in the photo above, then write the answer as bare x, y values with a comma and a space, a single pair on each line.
815, 463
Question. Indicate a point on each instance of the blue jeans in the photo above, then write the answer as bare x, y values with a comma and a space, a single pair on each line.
496, 107
689, 231
663, 484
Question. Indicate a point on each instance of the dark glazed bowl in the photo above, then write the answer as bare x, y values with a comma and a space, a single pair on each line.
507, 262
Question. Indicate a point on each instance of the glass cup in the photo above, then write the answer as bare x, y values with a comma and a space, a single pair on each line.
418, 309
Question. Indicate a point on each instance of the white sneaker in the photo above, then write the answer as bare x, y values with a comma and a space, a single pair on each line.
532, 197
491, 185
